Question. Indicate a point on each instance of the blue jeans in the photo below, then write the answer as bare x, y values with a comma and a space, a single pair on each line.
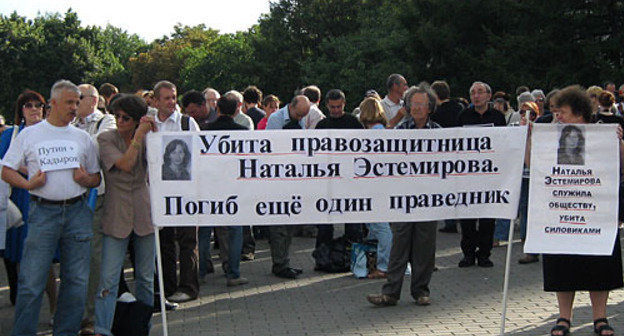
113, 255
51, 227
501, 229
383, 234
524, 206
235, 240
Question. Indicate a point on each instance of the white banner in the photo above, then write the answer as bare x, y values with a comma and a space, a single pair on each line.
334, 176
573, 194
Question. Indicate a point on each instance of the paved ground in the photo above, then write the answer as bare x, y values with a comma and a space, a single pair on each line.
464, 302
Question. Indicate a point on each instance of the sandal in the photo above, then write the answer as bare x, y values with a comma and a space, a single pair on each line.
603, 327
561, 328
377, 274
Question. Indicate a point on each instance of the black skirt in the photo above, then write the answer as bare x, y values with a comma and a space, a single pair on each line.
563, 272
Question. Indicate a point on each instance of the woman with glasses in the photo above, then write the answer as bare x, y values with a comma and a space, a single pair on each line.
126, 212
28, 111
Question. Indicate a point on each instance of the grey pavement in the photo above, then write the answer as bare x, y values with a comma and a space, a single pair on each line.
464, 301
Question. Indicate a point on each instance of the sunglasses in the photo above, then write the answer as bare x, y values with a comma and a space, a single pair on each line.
123, 117
523, 112
33, 105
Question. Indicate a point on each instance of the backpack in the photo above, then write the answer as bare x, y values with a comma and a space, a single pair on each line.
334, 257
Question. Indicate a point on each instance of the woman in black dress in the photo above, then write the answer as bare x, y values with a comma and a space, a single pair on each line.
566, 274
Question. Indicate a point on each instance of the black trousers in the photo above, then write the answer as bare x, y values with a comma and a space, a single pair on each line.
189, 261
477, 239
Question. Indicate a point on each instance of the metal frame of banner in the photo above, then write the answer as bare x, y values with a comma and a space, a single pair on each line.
161, 283
506, 276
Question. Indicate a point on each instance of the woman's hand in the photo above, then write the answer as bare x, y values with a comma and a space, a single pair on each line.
148, 120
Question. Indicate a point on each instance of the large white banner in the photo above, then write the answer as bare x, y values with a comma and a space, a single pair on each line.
334, 176
573, 194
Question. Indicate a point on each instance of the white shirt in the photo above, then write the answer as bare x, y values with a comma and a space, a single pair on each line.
313, 117
244, 120
60, 184
390, 108
174, 123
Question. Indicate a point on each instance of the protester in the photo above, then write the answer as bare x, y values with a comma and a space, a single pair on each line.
126, 212
28, 112
476, 242
566, 274
372, 116
605, 114
413, 242
270, 104
393, 101
60, 214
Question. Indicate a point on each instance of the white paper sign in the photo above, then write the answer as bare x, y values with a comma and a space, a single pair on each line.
334, 176
573, 189
57, 155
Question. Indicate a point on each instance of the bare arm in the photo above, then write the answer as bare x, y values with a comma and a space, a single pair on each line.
14, 178
129, 158
86, 179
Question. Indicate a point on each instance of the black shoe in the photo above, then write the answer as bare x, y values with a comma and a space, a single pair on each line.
297, 270
169, 306
485, 262
467, 262
287, 273
448, 229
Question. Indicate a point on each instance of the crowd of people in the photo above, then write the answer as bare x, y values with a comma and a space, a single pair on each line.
89, 211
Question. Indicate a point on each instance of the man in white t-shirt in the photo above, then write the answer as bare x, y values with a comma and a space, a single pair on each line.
62, 164
393, 101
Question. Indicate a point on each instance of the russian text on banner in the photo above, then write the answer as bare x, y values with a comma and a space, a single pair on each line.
573, 189
334, 176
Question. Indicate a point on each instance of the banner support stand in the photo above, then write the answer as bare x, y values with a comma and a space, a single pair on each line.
506, 276
161, 283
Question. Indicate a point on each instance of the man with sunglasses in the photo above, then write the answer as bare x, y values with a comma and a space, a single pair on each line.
94, 122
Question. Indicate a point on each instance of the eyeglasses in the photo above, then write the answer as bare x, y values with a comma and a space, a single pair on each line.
33, 105
523, 112
123, 117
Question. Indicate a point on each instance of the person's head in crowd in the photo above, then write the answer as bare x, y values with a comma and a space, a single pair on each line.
148, 96
574, 105
227, 106
529, 111
270, 104
64, 100
89, 99
420, 102
609, 86
101, 104
524, 97
480, 95
372, 113
522, 88
549, 104
442, 90
108, 90
539, 97
396, 86
621, 91
594, 91
299, 107
165, 97
335, 101
252, 96
606, 99
501, 101
29, 108
128, 110
212, 96
372, 94
313, 93
238, 97
3, 125
194, 104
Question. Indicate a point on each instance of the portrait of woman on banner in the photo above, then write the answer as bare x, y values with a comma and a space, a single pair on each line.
176, 160
571, 146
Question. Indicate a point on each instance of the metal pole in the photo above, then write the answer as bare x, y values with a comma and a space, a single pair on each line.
506, 279
161, 283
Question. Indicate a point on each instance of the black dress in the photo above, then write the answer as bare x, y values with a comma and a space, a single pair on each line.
564, 273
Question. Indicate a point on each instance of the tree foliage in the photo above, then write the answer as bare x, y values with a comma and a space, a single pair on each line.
348, 44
